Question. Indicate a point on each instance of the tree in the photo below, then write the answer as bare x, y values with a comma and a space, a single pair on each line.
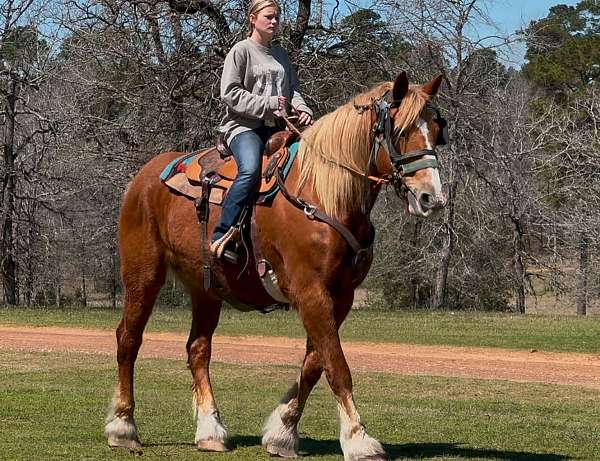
22, 70
438, 33
563, 50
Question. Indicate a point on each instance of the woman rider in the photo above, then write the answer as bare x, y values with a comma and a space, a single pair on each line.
257, 81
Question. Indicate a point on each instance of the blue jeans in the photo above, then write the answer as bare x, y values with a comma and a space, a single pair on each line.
247, 148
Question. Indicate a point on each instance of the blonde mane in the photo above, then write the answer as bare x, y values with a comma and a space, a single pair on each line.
344, 137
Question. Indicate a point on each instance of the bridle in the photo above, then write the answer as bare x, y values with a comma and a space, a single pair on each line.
403, 163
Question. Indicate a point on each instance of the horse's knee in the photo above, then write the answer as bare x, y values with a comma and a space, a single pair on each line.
199, 351
128, 345
119, 330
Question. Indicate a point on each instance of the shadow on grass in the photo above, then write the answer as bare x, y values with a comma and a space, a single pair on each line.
242, 441
168, 444
420, 450
317, 447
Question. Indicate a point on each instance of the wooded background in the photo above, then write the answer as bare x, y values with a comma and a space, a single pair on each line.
92, 89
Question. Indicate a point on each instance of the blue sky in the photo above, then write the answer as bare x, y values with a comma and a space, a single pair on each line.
511, 15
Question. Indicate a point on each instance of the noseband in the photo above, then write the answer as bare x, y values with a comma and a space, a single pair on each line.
403, 163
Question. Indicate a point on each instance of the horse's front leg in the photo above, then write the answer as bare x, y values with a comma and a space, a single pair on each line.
318, 313
280, 433
211, 435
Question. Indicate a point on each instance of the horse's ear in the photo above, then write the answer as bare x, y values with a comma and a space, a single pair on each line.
431, 88
400, 86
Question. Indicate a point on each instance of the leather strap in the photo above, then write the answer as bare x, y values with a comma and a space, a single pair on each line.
312, 212
203, 210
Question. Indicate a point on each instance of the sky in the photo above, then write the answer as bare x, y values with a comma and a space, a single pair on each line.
511, 15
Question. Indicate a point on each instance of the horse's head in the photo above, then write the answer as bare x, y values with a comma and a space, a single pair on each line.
409, 128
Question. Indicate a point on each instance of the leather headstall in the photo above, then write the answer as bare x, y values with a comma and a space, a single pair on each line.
403, 163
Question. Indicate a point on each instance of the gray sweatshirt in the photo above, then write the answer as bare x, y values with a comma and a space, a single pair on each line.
253, 77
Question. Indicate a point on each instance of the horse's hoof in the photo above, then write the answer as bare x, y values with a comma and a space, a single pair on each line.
282, 452
212, 445
134, 446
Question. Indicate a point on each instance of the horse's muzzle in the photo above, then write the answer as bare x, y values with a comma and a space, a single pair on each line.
422, 204
430, 202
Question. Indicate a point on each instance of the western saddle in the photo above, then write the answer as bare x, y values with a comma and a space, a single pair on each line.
187, 174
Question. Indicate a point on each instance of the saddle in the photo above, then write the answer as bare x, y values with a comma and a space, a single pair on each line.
205, 177
186, 174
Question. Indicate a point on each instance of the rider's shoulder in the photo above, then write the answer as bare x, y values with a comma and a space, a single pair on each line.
242, 45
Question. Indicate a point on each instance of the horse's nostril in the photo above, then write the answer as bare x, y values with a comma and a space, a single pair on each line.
425, 200
430, 202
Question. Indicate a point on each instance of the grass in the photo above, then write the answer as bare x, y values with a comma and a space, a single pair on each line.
542, 332
52, 408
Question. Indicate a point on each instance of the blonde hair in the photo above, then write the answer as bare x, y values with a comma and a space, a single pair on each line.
345, 137
256, 7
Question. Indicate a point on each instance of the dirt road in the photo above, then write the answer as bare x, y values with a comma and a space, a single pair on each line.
485, 363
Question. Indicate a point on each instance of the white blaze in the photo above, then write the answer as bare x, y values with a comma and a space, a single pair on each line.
435, 174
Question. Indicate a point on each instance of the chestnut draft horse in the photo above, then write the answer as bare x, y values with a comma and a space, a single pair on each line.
388, 134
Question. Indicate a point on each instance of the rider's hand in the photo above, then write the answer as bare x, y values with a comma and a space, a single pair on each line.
305, 119
282, 100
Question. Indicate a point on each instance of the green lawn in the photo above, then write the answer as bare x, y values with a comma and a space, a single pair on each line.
52, 408
549, 333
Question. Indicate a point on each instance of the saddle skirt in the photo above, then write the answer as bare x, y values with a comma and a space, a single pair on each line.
185, 173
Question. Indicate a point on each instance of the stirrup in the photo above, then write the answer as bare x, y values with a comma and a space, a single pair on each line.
218, 247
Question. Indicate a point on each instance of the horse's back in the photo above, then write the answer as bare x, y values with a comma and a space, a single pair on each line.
149, 175
146, 195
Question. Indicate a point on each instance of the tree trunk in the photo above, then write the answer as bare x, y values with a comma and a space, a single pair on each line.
415, 282
57, 293
519, 266
441, 279
8, 266
58, 276
29, 266
83, 289
582, 292
177, 99
299, 30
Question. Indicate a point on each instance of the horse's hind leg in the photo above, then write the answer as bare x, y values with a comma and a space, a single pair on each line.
143, 270
280, 433
210, 432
